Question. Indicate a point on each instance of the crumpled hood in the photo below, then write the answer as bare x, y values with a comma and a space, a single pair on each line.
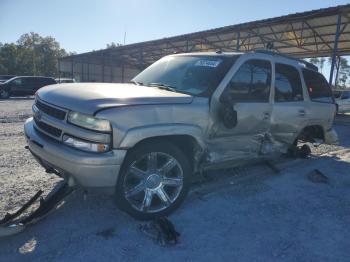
91, 97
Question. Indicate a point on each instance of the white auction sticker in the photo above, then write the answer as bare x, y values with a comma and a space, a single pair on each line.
208, 63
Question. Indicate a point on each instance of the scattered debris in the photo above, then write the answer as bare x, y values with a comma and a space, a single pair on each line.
9, 226
162, 231
107, 233
8, 217
302, 152
275, 169
316, 176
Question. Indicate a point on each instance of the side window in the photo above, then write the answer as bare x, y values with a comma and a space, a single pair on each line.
251, 83
317, 86
50, 81
288, 86
17, 82
28, 82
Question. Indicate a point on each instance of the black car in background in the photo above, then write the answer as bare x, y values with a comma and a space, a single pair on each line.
24, 85
4, 78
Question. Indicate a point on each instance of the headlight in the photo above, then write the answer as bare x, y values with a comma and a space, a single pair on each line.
85, 145
89, 122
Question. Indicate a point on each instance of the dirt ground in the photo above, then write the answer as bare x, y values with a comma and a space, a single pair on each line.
241, 214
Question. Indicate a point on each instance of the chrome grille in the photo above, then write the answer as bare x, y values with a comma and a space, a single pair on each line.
51, 111
48, 128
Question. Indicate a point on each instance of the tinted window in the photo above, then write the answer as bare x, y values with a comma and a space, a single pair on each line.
317, 86
192, 74
251, 83
288, 86
49, 81
17, 82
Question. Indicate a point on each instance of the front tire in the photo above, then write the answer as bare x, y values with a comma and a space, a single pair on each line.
154, 180
4, 94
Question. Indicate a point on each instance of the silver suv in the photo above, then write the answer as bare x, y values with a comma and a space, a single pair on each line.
183, 114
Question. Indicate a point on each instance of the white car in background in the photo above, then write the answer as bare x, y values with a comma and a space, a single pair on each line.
64, 80
342, 99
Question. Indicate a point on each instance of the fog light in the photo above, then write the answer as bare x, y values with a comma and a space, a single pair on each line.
85, 145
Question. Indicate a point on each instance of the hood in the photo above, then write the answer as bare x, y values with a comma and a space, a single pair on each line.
91, 97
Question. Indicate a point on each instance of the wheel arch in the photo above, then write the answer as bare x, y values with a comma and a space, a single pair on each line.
311, 132
187, 138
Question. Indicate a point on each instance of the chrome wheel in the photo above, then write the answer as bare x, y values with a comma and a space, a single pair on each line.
153, 182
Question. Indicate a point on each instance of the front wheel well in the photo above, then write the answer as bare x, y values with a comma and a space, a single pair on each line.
186, 143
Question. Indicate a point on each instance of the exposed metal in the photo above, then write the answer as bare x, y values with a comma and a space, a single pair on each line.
308, 34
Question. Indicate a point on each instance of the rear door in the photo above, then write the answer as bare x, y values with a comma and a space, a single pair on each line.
30, 84
249, 93
290, 110
322, 107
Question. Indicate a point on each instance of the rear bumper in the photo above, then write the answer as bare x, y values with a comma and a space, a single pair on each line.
90, 170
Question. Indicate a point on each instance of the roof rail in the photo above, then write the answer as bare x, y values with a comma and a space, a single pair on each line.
271, 52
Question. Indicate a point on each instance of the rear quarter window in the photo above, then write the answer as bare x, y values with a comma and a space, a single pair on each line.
317, 87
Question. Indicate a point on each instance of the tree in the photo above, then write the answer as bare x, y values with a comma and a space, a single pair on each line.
343, 74
32, 54
319, 62
113, 45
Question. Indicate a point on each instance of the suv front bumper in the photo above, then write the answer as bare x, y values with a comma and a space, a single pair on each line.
90, 170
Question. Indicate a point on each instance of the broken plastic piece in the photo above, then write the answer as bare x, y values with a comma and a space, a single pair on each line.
316, 176
8, 217
10, 227
273, 167
162, 231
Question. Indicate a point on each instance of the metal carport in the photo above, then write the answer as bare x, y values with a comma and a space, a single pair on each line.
316, 33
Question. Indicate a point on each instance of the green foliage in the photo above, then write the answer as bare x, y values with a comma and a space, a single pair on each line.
319, 62
113, 45
344, 72
32, 54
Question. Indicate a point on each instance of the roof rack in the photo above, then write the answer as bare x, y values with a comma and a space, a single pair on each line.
271, 52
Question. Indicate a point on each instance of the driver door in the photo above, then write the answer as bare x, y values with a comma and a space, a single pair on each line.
248, 95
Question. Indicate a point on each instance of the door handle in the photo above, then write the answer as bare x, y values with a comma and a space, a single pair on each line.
301, 112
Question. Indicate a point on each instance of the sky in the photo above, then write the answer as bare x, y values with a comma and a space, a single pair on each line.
81, 26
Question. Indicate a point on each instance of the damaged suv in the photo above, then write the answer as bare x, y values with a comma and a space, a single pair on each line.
183, 114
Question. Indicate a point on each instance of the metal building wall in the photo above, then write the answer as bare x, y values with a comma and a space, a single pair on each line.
87, 72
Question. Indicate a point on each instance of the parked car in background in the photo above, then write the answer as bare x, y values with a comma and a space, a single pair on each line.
183, 114
64, 80
4, 78
342, 100
24, 85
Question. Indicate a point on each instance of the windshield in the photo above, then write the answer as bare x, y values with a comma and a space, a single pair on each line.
195, 75
9, 80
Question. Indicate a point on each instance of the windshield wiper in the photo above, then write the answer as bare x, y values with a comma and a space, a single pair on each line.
164, 86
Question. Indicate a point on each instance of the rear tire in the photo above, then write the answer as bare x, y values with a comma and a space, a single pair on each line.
154, 180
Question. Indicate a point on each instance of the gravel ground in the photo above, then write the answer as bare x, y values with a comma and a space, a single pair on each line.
244, 214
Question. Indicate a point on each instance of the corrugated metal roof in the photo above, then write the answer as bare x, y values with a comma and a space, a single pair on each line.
307, 34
